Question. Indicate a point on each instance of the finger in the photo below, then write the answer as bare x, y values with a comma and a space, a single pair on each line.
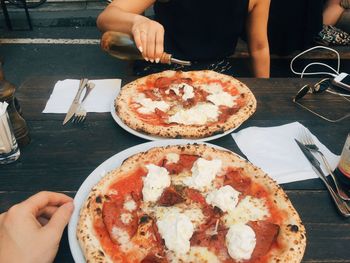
151, 44
60, 219
42, 199
2, 217
43, 221
143, 36
47, 212
137, 39
159, 44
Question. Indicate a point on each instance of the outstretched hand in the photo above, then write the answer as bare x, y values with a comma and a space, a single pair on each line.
149, 38
31, 231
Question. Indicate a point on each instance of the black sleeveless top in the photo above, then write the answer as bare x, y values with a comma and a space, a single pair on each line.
201, 29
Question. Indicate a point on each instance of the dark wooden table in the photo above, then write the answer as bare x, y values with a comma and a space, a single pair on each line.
60, 158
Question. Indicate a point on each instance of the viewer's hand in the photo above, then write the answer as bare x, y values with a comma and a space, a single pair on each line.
31, 231
149, 38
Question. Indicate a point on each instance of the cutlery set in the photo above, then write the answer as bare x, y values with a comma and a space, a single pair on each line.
77, 112
338, 194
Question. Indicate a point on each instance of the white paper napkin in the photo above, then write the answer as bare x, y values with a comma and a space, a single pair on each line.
99, 99
274, 150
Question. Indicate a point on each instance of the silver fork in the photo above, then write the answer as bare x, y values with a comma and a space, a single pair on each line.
80, 114
308, 141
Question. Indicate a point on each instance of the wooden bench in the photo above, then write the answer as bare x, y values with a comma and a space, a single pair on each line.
344, 52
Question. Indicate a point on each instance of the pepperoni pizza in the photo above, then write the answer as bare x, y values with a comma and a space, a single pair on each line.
189, 203
192, 104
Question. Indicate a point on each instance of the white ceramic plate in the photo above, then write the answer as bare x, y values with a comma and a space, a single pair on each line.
154, 138
108, 165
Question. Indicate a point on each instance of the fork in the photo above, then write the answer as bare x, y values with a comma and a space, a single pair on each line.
80, 114
308, 141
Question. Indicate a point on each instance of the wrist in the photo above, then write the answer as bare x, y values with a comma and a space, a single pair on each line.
137, 19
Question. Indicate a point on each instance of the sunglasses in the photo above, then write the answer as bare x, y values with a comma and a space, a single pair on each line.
319, 87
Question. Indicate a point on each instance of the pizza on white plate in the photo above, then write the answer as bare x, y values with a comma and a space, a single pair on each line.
189, 203
193, 104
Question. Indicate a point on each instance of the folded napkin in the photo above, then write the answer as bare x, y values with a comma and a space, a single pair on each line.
274, 150
99, 99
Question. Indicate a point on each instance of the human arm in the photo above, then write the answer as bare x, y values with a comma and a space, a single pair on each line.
258, 44
31, 231
125, 16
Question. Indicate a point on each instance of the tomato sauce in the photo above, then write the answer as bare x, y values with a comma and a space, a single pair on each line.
108, 245
185, 162
112, 209
131, 183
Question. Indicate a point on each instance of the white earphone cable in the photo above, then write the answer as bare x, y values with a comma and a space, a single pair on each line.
316, 63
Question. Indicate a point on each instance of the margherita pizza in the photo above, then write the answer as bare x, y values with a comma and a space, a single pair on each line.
189, 203
192, 104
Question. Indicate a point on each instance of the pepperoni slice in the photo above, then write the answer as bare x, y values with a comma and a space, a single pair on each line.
238, 181
214, 242
266, 234
151, 95
112, 212
162, 82
153, 258
185, 163
170, 197
183, 80
226, 113
161, 114
195, 196
147, 236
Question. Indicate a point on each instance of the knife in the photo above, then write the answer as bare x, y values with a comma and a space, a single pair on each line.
75, 104
342, 206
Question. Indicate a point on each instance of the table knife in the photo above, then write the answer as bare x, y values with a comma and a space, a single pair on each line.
76, 101
342, 206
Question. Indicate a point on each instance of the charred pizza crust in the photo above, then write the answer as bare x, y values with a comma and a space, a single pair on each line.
177, 130
291, 237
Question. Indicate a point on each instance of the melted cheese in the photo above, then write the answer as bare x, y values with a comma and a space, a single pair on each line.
240, 241
129, 204
211, 88
197, 115
248, 209
188, 91
194, 213
172, 157
126, 218
122, 237
148, 106
176, 229
175, 88
218, 96
225, 198
222, 98
156, 180
203, 173
196, 254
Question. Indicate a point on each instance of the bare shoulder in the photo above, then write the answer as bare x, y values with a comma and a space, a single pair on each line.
258, 4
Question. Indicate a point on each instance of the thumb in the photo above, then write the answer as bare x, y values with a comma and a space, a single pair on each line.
60, 219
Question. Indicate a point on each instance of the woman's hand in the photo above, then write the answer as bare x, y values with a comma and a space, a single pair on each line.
31, 231
149, 38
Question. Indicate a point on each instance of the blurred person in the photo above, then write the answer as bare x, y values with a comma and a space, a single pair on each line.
31, 230
203, 32
301, 26
293, 25
331, 35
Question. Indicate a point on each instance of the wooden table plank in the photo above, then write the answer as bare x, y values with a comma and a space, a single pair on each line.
59, 158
